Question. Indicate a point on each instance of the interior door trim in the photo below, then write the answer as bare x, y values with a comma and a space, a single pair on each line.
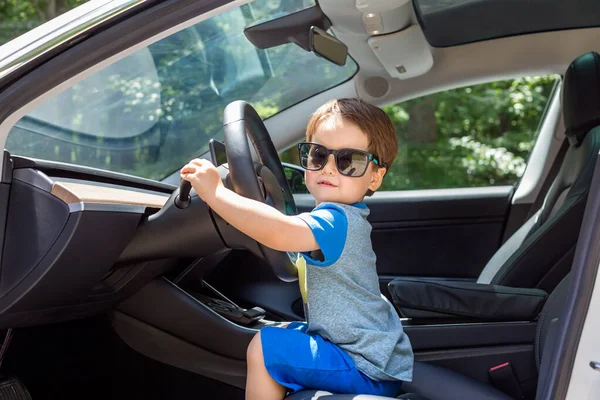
467, 203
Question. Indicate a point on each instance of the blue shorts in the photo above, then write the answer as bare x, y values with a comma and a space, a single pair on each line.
299, 361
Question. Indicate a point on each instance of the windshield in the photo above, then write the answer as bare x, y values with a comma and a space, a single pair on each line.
149, 113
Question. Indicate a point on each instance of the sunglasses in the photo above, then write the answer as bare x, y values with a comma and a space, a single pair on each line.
349, 162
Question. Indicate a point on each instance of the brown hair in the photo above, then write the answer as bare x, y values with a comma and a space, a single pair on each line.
372, 120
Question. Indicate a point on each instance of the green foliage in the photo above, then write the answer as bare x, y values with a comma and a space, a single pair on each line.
474, 136
20, 16
478, 136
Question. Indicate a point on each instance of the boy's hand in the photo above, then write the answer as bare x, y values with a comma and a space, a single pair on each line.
260, 221
203, 176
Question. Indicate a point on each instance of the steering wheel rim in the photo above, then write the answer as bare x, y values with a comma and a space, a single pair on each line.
240, 123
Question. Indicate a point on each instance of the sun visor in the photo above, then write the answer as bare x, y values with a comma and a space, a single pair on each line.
403, 54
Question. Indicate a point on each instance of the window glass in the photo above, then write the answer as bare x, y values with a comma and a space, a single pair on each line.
151, 112
474, 136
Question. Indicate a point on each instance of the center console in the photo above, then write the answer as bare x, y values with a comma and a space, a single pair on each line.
186, 322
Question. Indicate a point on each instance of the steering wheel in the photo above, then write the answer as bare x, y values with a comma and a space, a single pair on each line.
264, 181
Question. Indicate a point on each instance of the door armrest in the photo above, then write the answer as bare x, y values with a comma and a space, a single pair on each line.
416, 298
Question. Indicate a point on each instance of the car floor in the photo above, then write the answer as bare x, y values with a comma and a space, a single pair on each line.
86, 359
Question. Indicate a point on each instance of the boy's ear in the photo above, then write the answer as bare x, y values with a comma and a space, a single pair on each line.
377, 178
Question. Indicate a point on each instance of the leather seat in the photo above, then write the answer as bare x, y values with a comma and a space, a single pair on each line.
431, 382
540, 253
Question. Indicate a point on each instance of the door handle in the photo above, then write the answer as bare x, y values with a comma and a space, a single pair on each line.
595, 365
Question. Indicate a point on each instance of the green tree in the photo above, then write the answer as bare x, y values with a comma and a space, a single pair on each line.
479, 135
20, 16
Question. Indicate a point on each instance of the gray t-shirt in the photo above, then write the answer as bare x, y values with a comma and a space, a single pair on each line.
343, 301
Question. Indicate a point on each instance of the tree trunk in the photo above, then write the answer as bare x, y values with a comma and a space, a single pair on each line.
51, 9
38, 9
422, 125
47, 9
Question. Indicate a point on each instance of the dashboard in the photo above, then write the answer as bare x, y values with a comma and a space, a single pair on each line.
78, 242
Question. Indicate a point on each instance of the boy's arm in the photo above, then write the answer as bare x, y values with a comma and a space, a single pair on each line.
260, 221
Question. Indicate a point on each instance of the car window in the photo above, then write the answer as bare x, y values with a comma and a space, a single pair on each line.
149, 113
473, 136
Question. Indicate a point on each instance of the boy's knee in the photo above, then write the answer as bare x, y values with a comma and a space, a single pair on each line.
254, 351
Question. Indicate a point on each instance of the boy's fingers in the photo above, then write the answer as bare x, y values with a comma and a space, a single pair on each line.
195, 167
199, 162
191, 168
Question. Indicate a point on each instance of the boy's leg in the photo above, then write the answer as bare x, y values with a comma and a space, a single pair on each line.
259, 384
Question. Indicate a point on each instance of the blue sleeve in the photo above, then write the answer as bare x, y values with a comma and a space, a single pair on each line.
329, 225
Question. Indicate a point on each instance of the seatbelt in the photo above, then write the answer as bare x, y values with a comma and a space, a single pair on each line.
554, 168
504, 379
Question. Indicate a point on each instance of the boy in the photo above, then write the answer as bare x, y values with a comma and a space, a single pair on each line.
353, 342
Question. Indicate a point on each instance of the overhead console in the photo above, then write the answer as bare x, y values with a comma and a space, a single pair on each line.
403, 54
392, 31
398, 43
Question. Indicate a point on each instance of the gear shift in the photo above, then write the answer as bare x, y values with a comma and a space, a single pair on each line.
183, 199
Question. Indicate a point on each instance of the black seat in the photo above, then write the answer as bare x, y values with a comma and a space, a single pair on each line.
431, 382
541, 252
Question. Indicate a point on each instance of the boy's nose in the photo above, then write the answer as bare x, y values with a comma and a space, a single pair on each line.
330, 167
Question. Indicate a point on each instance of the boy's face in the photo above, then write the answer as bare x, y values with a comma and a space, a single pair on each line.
328, 185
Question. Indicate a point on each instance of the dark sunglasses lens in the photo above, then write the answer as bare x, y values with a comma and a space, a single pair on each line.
312, 156
304, 155
317, 157
352, 163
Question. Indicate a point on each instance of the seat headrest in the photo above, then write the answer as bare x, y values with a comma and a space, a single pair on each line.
581, 96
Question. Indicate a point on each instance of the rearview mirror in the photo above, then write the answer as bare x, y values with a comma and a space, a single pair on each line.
328, 47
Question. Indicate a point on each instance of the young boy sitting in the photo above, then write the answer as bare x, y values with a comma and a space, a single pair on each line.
353, 340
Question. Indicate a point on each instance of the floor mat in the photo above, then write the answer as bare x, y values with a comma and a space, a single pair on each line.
86, 359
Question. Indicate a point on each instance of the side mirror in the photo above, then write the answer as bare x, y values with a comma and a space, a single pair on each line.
328, 47
295, 177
